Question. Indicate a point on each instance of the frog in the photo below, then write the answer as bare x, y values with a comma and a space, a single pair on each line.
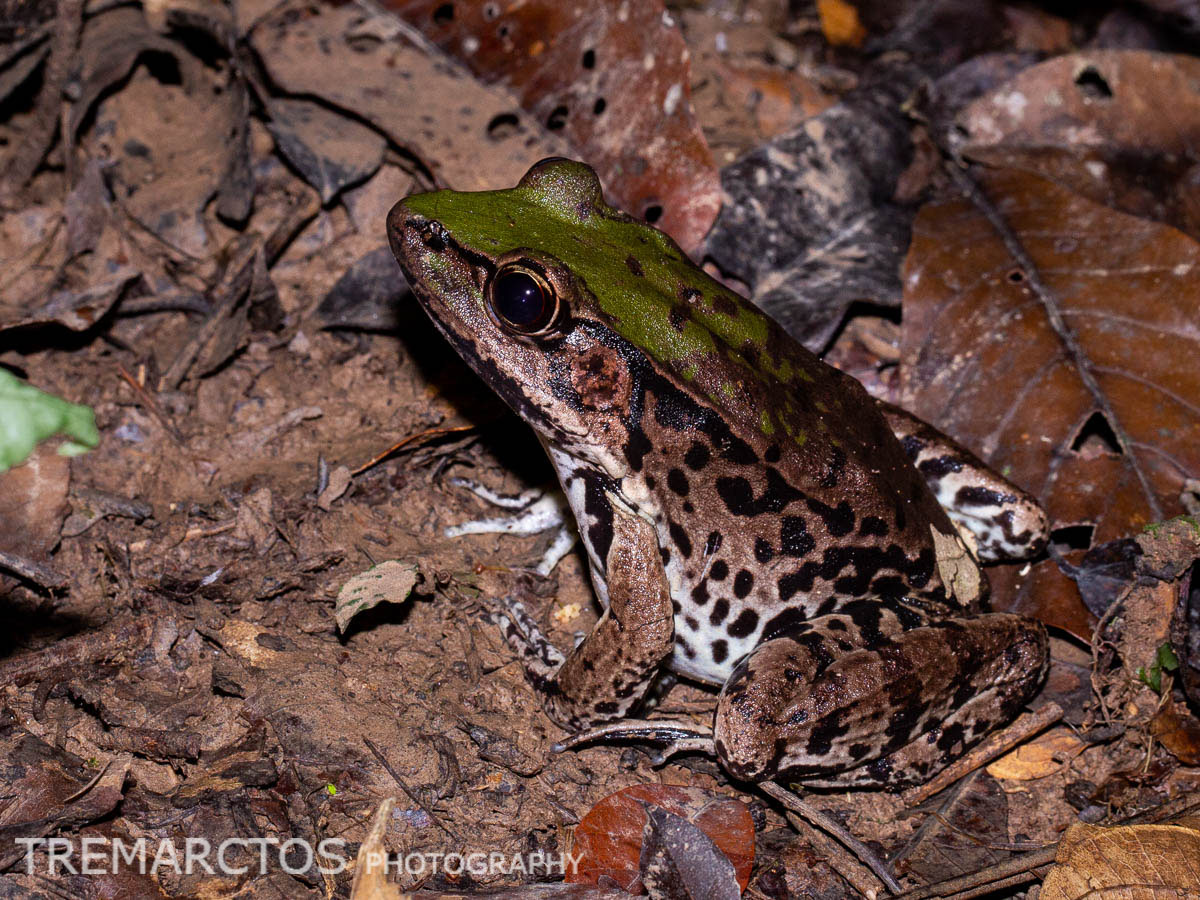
752, 518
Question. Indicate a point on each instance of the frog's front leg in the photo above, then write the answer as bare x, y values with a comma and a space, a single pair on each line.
609, 672
1007, 522
858, 698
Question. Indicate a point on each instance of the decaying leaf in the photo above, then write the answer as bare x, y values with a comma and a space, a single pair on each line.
611, 77
391, 581
417, 98
1116, 126
804, 224
331, 151
1179, 731
1140, 862
609, 839
1082, 393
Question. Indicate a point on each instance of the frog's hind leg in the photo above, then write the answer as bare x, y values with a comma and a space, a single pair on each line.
1006, 521
856, 698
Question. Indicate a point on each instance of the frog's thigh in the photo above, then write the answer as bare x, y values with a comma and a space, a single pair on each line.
820, 706
614, 666
1007, 522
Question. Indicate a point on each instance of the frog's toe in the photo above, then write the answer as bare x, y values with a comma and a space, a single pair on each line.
680, 737
535, 512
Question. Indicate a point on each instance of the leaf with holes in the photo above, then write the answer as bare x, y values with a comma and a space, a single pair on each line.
612, 77
1117, 126
1065, 357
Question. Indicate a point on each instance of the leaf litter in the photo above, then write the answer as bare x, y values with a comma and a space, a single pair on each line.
198, 257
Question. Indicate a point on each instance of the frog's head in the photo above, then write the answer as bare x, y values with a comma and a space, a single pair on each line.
552, 296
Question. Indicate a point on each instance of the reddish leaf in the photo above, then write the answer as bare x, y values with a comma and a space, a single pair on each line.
1104, 430
609, 839
1116, 126
1178, 731
612, 77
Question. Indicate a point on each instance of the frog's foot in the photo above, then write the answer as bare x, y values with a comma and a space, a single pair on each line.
536, 511
1007, 522
680, 737
540, 657
833, 704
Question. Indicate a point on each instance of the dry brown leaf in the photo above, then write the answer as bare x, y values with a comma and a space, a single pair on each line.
1117, 126
1132, 862
1038, 758
471, 136
1179, 731
611, 77
1105, 431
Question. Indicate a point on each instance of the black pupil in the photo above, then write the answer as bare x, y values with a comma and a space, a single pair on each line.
519, 299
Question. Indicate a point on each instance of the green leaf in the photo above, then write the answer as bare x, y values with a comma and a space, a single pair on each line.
1166, 659
331, 790
28, 416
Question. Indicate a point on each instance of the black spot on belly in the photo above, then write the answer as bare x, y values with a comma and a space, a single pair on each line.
763, 551
719, 570
691, 623
719, 611
636, 448
651, 482
743, 582
665, 553
680, 539
600, 514
744, 624
791, 584
785, 622
685, 647
720, 651
634, 266
839, 520
713, 544
700, 593
678, 482
794, 539
697, 456
873, 525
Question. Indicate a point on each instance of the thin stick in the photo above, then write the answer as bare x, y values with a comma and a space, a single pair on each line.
819, 820
1026, 725
411, 794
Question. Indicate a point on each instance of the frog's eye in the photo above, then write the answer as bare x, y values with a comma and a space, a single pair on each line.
521, 300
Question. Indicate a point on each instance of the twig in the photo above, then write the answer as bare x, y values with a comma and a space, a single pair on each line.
412, 795
1011, 871
429, 434
39, 137
819, 820
1025, 726
149, 404
41, 575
